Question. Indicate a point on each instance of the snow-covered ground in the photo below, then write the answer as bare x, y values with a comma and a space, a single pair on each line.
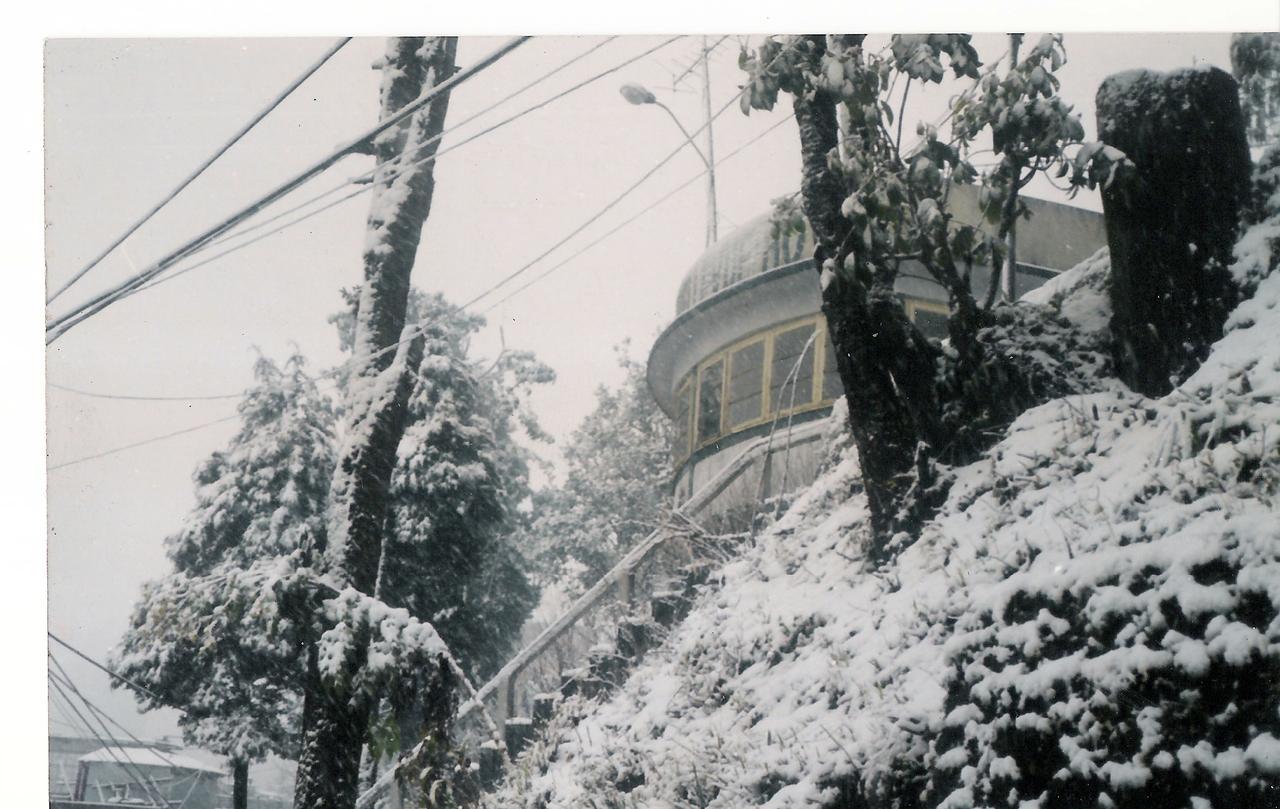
1090, 620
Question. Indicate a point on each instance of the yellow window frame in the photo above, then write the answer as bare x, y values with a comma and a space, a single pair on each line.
767, 411
686, 388
765, 339
814, 402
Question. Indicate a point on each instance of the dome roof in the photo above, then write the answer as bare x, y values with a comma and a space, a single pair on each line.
748, 251
1057, 237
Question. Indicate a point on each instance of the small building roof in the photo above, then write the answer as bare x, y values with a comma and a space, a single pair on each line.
147, 757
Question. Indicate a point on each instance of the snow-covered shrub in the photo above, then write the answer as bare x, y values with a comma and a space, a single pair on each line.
1034, 352
1089, 620
1258, 251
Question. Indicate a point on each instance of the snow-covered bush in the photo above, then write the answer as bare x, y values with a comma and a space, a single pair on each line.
1090, 619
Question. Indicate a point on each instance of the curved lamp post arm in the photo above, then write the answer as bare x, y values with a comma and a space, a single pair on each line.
683, 131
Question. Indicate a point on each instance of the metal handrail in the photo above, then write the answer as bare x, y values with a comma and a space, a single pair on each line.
619, 572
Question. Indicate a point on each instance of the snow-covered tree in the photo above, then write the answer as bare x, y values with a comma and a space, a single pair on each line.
457, 490
617, 480
875, 203
1255, 61
336, 710
204, 639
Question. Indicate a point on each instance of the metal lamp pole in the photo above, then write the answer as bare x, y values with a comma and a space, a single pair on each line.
638, 94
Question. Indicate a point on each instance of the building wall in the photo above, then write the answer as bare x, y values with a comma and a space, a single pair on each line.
755, 284
792, 462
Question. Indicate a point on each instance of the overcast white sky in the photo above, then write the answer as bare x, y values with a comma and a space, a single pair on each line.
126, 119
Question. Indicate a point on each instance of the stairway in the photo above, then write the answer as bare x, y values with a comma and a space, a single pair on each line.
605, 667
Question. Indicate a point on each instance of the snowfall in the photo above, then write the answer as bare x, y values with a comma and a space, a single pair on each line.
1090, 620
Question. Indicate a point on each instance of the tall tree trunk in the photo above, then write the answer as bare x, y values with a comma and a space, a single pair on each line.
239, 785
335, 717
885, 364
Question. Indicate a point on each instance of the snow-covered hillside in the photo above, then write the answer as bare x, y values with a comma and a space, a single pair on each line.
1091, 620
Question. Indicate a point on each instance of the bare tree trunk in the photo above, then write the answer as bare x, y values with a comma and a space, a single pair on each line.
335, 717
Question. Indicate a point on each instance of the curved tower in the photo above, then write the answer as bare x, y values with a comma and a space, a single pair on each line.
748, 352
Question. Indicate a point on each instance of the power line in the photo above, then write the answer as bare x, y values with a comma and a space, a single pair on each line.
434, 138
139, 688
61, 325
190, 178
333, 203
488, 309
143, 442
133, 398
130, 768
412, 333
103, 715
627, 222
397, 170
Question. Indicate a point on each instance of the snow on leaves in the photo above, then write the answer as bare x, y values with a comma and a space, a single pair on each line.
1091, 619
370, 646
269, 487
220, 636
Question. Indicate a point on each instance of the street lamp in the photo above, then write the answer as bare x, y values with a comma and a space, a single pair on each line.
640, 95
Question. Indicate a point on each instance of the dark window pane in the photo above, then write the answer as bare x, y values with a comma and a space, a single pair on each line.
746, 376
709, 382
684, 403
787, 348
831, 385
933, 324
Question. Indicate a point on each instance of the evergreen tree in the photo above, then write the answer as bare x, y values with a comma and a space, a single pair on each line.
616, 484
1255, 61
207, 639
457, 488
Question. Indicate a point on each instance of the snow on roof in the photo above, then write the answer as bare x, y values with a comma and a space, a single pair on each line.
146, 757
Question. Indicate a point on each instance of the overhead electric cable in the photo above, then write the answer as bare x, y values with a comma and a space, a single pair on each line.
368, 175
133, 398
131, 768
61, 325
653, 205
396, 172
103, 715
434, 138
412, 333
190, 178
626, 222
142, 443
97, 665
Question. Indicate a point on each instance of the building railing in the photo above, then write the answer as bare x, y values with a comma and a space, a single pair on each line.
620, 576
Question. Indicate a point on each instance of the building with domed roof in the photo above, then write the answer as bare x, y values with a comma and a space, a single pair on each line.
747, 353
